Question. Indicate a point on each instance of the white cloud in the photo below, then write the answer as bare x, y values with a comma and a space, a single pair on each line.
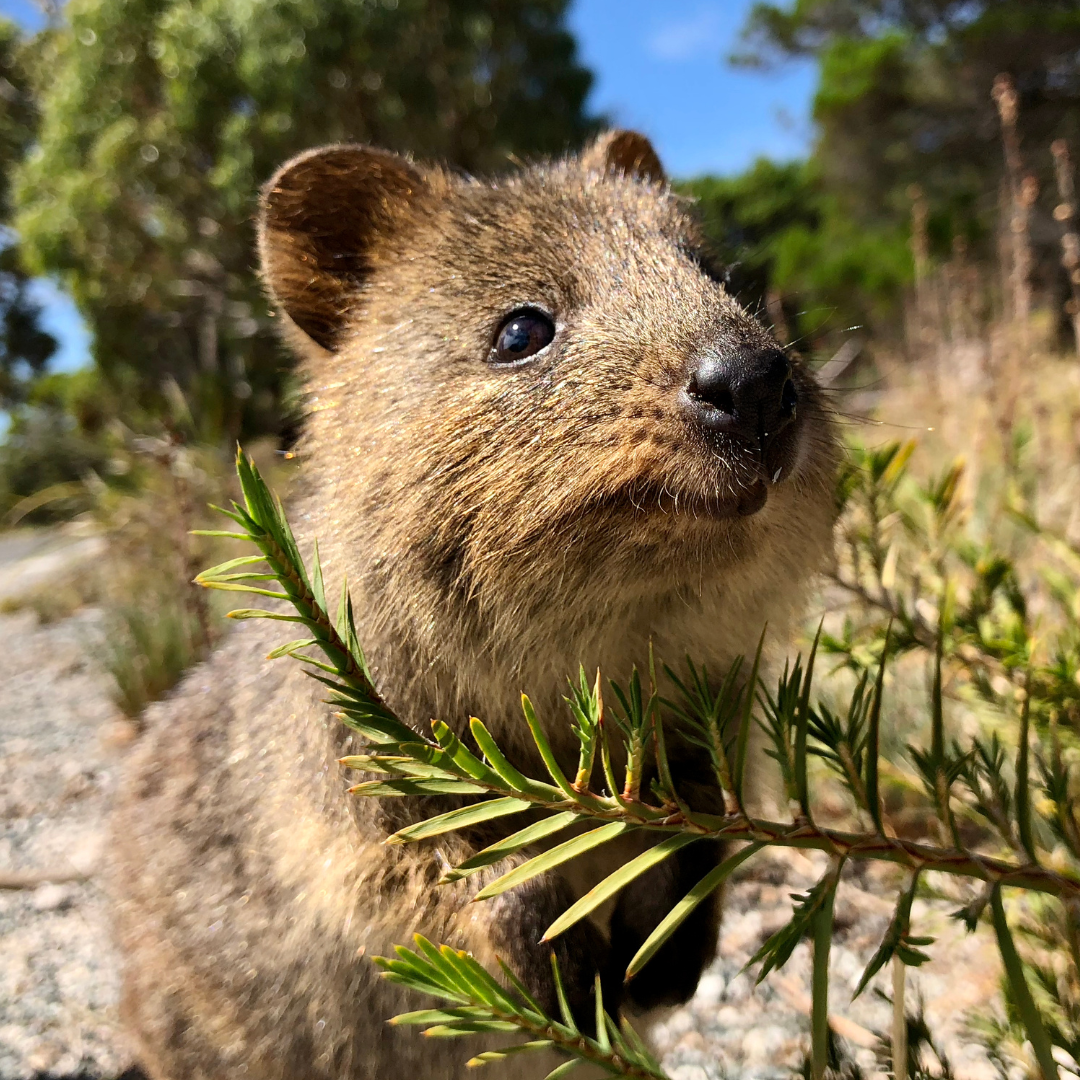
686, 38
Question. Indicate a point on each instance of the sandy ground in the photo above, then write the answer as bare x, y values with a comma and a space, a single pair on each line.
61, 742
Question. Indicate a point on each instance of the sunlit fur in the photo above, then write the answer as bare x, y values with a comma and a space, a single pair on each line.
498, 527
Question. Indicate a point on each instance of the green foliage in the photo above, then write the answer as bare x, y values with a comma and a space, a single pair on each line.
787, 724
905, 552
842, 741
747, 218
781, 233
444, 764
904, 97
776, 950
710, 718
898, 940
161, 118
263, 522
61, 434
25, 348
43, 462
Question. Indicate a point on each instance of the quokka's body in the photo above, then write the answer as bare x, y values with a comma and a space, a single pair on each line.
539, 434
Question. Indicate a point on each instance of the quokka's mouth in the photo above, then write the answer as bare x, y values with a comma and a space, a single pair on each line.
736, 484
741, 501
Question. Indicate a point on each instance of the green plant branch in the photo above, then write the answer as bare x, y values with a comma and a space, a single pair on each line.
412, 764
479, 1004
732, 828
886, 603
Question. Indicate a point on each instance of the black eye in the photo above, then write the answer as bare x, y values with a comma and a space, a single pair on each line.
523, 334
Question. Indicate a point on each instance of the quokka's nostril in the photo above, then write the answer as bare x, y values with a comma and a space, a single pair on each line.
710, 385
721, 398
745, 394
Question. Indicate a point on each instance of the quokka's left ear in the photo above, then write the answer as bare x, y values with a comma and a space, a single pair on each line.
325, 220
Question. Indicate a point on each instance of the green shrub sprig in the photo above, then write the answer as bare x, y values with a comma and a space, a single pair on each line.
796, 728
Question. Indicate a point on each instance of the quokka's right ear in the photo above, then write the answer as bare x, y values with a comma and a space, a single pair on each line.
322, 219
624, 152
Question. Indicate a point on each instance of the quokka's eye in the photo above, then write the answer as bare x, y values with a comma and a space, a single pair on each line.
524, 333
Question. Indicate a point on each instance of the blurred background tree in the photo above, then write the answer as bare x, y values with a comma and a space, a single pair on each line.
903, 98
25, 348
49, 440
160, 118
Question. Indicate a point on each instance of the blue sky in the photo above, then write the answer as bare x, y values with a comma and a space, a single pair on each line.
660, 68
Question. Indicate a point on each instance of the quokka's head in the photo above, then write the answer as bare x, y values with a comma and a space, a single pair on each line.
533, 393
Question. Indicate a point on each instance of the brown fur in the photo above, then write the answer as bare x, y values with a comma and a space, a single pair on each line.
498, 527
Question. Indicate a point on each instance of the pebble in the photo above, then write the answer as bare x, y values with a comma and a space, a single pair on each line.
51, 897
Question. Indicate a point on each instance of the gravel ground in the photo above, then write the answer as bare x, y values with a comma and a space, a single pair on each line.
59, 748
733, 1029
60, 743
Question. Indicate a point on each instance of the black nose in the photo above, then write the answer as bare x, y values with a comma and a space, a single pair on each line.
749, 394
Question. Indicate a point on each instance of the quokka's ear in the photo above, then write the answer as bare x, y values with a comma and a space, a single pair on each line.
624, 152
322, 219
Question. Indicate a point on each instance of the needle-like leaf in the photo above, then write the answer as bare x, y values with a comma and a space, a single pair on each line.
497, 760
743, 739
674, 918
1023, 779
531, 834
873, 740
802, 724
556, 856
542, 744
1025, 1004
463, 818
613, 883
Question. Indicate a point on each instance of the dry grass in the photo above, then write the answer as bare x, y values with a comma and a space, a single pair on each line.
156, 623
56, 600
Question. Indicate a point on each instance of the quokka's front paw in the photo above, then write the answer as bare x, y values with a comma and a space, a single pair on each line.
672, 975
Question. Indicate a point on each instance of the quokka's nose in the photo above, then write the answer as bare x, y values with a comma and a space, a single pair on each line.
748, 394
